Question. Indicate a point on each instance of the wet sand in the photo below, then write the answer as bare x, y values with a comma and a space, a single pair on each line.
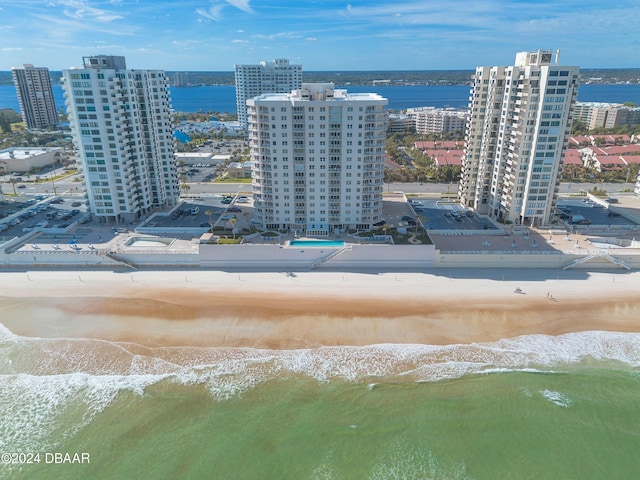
310, 309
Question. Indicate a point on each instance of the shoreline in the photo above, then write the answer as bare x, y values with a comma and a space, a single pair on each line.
312, 309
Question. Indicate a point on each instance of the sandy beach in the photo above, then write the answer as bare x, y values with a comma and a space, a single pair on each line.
310, 309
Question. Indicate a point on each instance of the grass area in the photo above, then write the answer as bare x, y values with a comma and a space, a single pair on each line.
68, 173
232, 180
598, 193
229, 241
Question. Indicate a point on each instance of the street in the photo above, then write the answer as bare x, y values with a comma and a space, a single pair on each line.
68, 186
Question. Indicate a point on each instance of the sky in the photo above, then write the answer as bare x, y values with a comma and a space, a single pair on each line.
215, 35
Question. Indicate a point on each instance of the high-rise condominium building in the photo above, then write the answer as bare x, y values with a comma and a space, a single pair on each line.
516, 137
122, 133
35, 96
277, 76
318, 159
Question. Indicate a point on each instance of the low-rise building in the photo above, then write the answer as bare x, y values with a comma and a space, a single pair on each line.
399, 123
605, 115
24, 159
192, 158
240, 170
428, 120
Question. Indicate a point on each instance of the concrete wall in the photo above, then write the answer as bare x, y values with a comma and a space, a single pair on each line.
352, 256
384, 256
530, 261
64, 257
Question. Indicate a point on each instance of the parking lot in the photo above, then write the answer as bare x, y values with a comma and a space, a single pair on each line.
572, 211
200, 212
41, 211
445, 215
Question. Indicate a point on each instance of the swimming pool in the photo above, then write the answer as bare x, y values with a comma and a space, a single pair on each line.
317, 243
149, 242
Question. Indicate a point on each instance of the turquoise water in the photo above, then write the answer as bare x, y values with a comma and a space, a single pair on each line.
536, 406
316, 243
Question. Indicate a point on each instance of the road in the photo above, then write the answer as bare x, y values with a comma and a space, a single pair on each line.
68, 187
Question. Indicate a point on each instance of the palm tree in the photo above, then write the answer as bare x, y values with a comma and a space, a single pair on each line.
184, 185
209, 213
232, 221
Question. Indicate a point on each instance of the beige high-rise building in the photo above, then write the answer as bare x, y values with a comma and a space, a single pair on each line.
518, 131
318, 159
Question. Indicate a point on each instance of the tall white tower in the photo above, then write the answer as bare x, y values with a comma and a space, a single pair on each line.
35, 96
318, 159
516, 137
122, 132
277, 76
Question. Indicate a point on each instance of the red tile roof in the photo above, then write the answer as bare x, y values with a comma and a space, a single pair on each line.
580, 140
617, 150
631, 159
573, 157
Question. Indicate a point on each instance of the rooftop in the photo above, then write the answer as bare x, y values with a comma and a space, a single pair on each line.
24, 153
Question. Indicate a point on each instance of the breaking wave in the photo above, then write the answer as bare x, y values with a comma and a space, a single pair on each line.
42, 379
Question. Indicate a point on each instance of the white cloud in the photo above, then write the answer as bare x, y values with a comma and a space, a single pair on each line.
213, 13
239, 41
241, 5
80, 9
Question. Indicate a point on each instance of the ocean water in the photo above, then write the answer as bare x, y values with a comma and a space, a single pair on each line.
223, 98
536, 406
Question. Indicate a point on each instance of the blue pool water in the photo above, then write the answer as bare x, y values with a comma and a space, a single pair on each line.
317, 243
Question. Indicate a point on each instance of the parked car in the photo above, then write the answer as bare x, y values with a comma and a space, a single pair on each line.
580, 220
233, 209
195, 210
76, 204
611, 200
613, 214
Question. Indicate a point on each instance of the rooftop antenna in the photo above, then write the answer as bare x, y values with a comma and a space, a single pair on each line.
557, 56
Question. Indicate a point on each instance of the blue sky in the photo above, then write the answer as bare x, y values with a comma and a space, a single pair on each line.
321, 35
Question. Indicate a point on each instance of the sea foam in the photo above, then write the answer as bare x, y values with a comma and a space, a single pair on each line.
40, 379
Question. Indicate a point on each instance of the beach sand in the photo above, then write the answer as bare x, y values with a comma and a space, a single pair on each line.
311, 309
